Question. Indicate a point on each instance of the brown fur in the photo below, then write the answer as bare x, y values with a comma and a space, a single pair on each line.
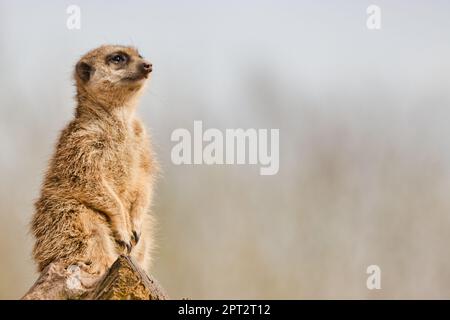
98, 187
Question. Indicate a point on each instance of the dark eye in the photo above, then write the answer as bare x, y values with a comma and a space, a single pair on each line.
118, 58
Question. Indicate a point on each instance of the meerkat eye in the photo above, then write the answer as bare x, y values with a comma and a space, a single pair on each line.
118, 58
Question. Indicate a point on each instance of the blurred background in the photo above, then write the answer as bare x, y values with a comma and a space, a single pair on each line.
364, 140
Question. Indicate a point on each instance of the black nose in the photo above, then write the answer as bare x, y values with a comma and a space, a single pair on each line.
146, 67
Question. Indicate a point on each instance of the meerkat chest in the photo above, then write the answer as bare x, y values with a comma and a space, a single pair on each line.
124, 162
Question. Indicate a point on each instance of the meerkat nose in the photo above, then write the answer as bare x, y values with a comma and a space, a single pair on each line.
146, 67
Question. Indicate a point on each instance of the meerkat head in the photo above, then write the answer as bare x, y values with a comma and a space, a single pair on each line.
111, 75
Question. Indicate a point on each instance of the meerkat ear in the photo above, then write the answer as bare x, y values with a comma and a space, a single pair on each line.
84, 71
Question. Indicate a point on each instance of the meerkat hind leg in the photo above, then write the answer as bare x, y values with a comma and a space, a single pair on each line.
100, 252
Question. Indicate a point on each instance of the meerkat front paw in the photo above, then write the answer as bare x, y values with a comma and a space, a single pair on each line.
123, 240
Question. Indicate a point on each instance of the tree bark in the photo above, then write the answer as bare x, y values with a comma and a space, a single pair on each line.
124, 280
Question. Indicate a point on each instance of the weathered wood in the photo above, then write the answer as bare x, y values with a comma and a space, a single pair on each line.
124, 280
55, 283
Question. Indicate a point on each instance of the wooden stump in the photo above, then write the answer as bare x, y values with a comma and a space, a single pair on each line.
125, 280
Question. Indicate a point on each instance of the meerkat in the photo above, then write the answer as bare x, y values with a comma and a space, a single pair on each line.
97, 190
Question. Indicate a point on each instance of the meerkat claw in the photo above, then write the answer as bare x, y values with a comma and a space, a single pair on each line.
124, 245
135, 237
